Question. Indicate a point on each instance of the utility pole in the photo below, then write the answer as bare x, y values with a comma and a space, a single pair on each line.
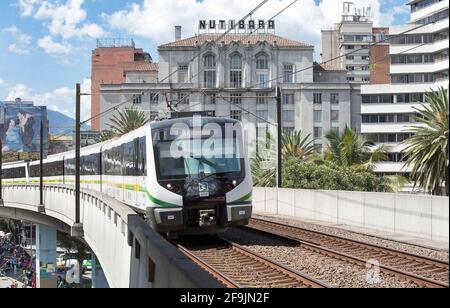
77, 152
280, 135
41, 166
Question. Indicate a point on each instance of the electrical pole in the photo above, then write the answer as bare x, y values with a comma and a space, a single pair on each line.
41, 166
77, 152
280, 135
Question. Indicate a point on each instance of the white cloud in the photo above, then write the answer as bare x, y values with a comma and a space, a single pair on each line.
54, 48
303, 21
2, 83
22, 41
19, 90
66, 20
61, 99
27, 6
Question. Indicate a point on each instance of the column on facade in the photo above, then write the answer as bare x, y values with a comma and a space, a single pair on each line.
98, 276
45, 257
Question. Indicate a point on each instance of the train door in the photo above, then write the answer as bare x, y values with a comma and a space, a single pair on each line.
141, 173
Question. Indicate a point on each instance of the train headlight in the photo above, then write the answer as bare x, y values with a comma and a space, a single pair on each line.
175, 188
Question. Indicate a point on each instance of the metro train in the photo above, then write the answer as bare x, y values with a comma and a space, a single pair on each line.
190, 193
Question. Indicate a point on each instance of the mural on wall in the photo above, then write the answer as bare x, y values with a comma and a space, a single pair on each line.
21, 127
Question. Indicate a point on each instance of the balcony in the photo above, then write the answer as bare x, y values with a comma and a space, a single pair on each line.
429, 10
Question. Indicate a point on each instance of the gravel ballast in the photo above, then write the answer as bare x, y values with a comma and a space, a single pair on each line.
375, 240
341, 274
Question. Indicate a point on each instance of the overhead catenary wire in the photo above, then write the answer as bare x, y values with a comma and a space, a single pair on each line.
261, 4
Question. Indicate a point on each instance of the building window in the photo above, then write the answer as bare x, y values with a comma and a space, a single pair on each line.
288, 73
236, 71
317, 116
288, 99
350, 78
182, 98
334, 98
288, 116
261, 98
317, 98
317, 132
236, 99
262, 63
183, 73
350, 57
154, 98
154, 115
335, 130
288, 130
262, 71
210, 71
263, 116
236, 115
137, 99
335, 115
210, 99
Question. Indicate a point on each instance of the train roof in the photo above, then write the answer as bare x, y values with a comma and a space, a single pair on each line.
190, 122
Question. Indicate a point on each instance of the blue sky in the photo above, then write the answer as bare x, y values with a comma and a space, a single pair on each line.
46, 44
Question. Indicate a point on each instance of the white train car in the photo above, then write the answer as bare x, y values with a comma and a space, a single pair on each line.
190, 194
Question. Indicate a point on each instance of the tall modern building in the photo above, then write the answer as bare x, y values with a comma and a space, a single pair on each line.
347, 45
419, 63
236, 76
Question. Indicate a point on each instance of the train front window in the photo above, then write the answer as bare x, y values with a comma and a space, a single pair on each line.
179, 159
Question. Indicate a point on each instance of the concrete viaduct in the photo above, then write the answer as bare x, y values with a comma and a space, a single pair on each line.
131, 254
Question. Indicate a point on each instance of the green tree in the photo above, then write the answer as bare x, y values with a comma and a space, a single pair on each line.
263, 166
427, 150
105, 136
351, 150
127, 121
294, 145
326, 175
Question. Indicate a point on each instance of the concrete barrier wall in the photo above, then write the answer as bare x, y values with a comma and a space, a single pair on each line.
130, 252
421, 216
104, 223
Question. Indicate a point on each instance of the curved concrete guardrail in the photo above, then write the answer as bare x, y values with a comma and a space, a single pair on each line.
130, 252
421, 216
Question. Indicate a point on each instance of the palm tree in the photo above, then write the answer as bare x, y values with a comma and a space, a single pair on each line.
127, 121
294, 146
351, 150
427, 150
105, 136
263, 166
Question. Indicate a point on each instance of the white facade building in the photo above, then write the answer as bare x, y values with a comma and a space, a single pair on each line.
419, 64
237, 76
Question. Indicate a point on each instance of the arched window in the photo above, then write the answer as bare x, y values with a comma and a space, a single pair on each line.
209, 63
262, 71
261, 62
236, 71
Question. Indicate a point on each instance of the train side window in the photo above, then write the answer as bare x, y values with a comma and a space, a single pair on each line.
128, 159
142, 157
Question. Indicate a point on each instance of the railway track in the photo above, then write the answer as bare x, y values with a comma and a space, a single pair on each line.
237, 267
426, 272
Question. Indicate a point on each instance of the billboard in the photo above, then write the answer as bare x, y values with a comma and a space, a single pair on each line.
20, 131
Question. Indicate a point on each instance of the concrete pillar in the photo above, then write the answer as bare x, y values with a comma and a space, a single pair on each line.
98, 277
45, 257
